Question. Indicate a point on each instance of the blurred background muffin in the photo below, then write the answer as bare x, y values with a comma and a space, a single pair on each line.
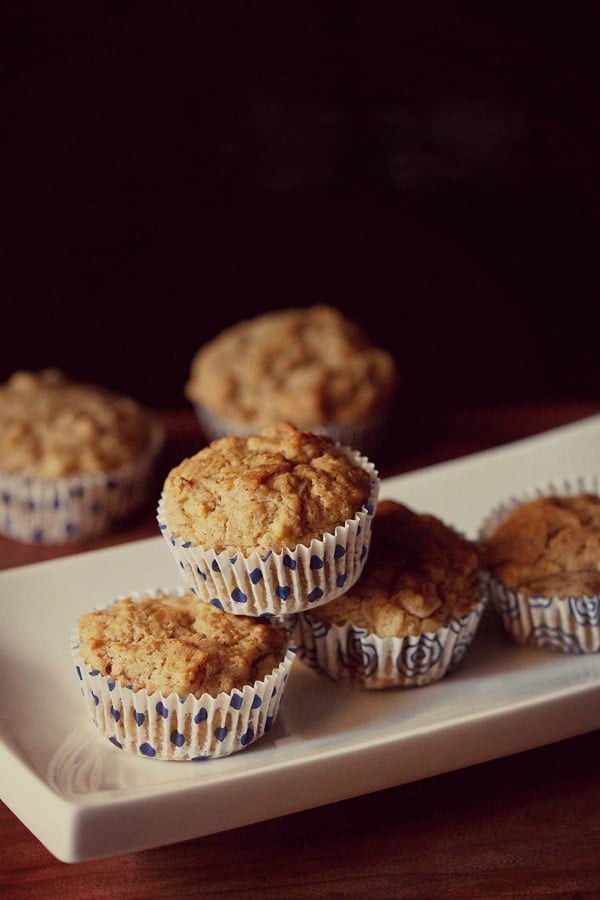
74, 457
311, 366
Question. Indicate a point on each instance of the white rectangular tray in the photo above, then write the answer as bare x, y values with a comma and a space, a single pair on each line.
85, 799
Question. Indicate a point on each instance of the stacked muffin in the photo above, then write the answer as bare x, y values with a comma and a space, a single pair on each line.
270, 524
260, 528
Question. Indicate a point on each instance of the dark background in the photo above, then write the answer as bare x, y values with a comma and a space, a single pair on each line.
429, 168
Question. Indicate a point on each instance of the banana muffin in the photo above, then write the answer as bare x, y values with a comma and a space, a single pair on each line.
167, 676
542, 553
549, 546
411, 615
271, 522
74, 457
311, 366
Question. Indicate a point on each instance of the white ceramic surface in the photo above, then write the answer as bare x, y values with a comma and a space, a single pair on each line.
84, 799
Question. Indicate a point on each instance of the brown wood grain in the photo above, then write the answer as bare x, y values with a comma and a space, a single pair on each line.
526, 825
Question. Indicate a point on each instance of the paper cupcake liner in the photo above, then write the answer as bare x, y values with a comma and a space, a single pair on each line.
215, 426
284, 582
181, 728
365, 435
350, 654
76, 507
563, 625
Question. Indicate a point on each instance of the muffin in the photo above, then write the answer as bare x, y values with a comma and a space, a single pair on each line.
542, 554
272, 523
74, 458
167, 677
311, 366
412, 614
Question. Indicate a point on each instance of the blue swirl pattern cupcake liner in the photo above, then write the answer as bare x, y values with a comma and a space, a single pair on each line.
76, 507
564, 625
284, 582
350, 654
559, 624
181, 728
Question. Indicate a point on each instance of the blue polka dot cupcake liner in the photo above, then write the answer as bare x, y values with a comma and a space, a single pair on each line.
353, 655
278, 583
180, 728
559, 624
78, 507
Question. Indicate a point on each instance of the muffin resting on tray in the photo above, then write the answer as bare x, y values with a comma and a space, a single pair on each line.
542, 553
270, 523
311, 366
168, 676
74, 457
410, 616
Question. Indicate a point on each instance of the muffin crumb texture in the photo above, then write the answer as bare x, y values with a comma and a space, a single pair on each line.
172, 643
420, 574
549, 547
308, 365
270, 491
52, 427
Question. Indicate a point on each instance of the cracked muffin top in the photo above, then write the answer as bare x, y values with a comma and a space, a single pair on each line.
51, 426
175, 643
310, 366
549, 547
269, 491
419, 575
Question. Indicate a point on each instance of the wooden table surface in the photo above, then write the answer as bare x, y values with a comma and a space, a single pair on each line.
525, 825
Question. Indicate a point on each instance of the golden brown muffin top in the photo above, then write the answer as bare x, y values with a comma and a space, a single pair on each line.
549, 546
419, 575
51, 426
172, 643
309, 366
270, 491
